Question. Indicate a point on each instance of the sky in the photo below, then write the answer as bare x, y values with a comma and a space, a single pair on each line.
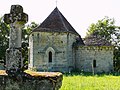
80, 13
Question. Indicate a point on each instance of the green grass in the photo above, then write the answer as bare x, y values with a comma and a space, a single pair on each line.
89, 82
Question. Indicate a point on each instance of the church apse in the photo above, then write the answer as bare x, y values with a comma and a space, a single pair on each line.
50, 52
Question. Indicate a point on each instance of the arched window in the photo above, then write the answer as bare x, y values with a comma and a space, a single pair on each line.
50, 56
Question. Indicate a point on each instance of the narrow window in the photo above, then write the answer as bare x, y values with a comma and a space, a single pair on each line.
94, 63
50, 56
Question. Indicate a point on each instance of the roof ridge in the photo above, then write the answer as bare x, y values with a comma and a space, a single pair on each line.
61, 19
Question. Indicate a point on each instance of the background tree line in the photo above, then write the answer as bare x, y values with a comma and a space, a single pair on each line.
104, 28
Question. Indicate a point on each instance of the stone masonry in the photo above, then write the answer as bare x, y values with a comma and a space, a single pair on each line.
101, 54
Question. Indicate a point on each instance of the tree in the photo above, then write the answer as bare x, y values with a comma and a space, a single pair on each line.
25, 43
107, 29
4, 38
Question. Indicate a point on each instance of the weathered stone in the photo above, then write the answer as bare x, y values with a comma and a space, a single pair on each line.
13, 57
16, 14
16, 19
58, 44
29, 80
65, 58
103, 55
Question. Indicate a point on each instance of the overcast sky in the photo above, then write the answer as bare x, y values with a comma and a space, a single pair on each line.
80, 13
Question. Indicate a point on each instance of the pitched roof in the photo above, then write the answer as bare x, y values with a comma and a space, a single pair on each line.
55, 22
94, 40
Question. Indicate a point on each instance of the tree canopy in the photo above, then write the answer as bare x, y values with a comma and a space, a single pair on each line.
105, 28
4, 38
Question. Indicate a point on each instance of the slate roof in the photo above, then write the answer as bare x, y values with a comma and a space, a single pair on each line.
94, 40
55, 22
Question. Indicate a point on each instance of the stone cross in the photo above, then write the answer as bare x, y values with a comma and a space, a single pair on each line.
16, 19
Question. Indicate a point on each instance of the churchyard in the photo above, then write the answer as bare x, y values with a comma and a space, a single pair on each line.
15, 78
90, 82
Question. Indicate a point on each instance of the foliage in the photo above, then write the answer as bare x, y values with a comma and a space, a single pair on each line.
107, 30
117, 58
25, 43
97, 82
4, 38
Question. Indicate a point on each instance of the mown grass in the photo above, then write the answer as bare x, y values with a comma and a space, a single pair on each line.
90, 82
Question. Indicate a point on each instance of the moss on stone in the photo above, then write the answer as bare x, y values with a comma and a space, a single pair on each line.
43, 74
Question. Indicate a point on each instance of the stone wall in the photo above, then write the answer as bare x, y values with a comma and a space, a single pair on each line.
103, 55
70, 51
30, 81
60, 44
43, 43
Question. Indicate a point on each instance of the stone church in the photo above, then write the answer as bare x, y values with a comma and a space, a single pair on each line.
56, 46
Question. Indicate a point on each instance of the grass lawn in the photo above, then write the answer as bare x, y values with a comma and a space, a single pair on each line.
89, 82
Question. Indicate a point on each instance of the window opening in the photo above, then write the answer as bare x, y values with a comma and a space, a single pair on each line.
94, 63
50, 56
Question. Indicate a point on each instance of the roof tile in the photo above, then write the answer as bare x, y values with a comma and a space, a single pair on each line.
55, 22
95, 40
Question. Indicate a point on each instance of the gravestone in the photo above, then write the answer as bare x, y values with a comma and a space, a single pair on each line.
14, 78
